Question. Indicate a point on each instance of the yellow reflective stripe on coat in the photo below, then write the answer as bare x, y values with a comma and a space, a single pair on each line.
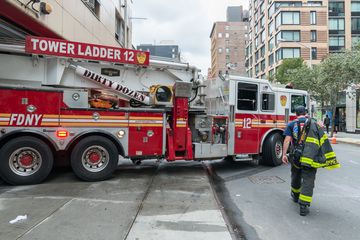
311, 162
312, 140
333, 166
295, 190
322, 139
330, 155
305, 198
330, 164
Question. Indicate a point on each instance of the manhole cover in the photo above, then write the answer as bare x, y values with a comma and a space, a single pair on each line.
265, 179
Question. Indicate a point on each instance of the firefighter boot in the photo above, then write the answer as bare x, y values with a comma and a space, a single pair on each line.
304, 210
295, 197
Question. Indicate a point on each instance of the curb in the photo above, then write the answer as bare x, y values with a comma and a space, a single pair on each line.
357, 143
235, 231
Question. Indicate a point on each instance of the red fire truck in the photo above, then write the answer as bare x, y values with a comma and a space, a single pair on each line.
93, 103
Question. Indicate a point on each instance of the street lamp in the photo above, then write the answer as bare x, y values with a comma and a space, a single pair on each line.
301, 44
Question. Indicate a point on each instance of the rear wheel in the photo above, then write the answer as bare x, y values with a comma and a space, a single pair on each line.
94, 158
25, 160
272, 150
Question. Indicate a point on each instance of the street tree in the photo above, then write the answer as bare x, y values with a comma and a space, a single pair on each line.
325, 81
337, 73
287, 66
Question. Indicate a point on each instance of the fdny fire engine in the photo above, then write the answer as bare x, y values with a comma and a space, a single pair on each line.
93, 103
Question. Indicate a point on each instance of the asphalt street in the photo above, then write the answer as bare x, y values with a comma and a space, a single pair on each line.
257, 200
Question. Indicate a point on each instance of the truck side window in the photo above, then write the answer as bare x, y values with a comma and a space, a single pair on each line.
297, 100
247, 96
268, 102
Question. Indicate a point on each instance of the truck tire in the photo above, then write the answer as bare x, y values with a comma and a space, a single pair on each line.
94, 158
25, 160
272, 150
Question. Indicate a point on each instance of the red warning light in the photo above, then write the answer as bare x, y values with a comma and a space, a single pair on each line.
62, 133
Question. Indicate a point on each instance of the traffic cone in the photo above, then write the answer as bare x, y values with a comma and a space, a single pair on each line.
333, 139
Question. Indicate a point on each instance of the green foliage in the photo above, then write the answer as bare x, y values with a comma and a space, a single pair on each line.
335, 74
287, 66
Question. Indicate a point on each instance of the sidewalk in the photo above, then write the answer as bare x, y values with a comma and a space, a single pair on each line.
153, 201
350, 138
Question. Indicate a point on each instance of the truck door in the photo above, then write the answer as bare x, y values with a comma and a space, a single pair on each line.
247, 118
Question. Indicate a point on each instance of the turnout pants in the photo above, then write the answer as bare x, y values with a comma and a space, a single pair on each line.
302, 183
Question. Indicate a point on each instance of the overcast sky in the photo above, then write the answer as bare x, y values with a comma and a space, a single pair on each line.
186, 22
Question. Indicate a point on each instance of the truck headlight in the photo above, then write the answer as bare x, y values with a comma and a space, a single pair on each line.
121, 134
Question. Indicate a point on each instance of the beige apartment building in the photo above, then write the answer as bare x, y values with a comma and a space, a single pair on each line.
305, 29
105, 22
344, 24
285, 29
228, 41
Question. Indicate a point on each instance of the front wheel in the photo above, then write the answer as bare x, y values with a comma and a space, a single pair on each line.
272, 150
94, 158
25, 160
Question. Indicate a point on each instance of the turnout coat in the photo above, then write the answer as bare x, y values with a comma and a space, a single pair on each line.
317, 152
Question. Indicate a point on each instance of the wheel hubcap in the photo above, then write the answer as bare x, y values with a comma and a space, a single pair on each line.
278, 149
25, 161
95, 158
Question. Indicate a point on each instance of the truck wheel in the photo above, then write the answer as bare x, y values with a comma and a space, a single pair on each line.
272, 150
25, 160
94, 158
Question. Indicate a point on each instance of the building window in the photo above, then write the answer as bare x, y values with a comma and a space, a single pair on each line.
262, 65
271, 28
314, 3
256, 42
247, 96
336, 43
256, 56
257, 70
227, 50
94, 6
227, 35
271, 10
336, 9
284, 53
262, 22
271, 73
119, 29
227, 27
287, 4
262, 7
314, 53
337, 26
313, 36
268, 102
290, 36
271, 59
355, 40
263, 36
271, 44
355, 8
220, 50
262, 51
291, 18
313, 18
219, 35
355, 25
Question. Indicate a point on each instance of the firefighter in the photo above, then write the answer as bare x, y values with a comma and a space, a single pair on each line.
310, 149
